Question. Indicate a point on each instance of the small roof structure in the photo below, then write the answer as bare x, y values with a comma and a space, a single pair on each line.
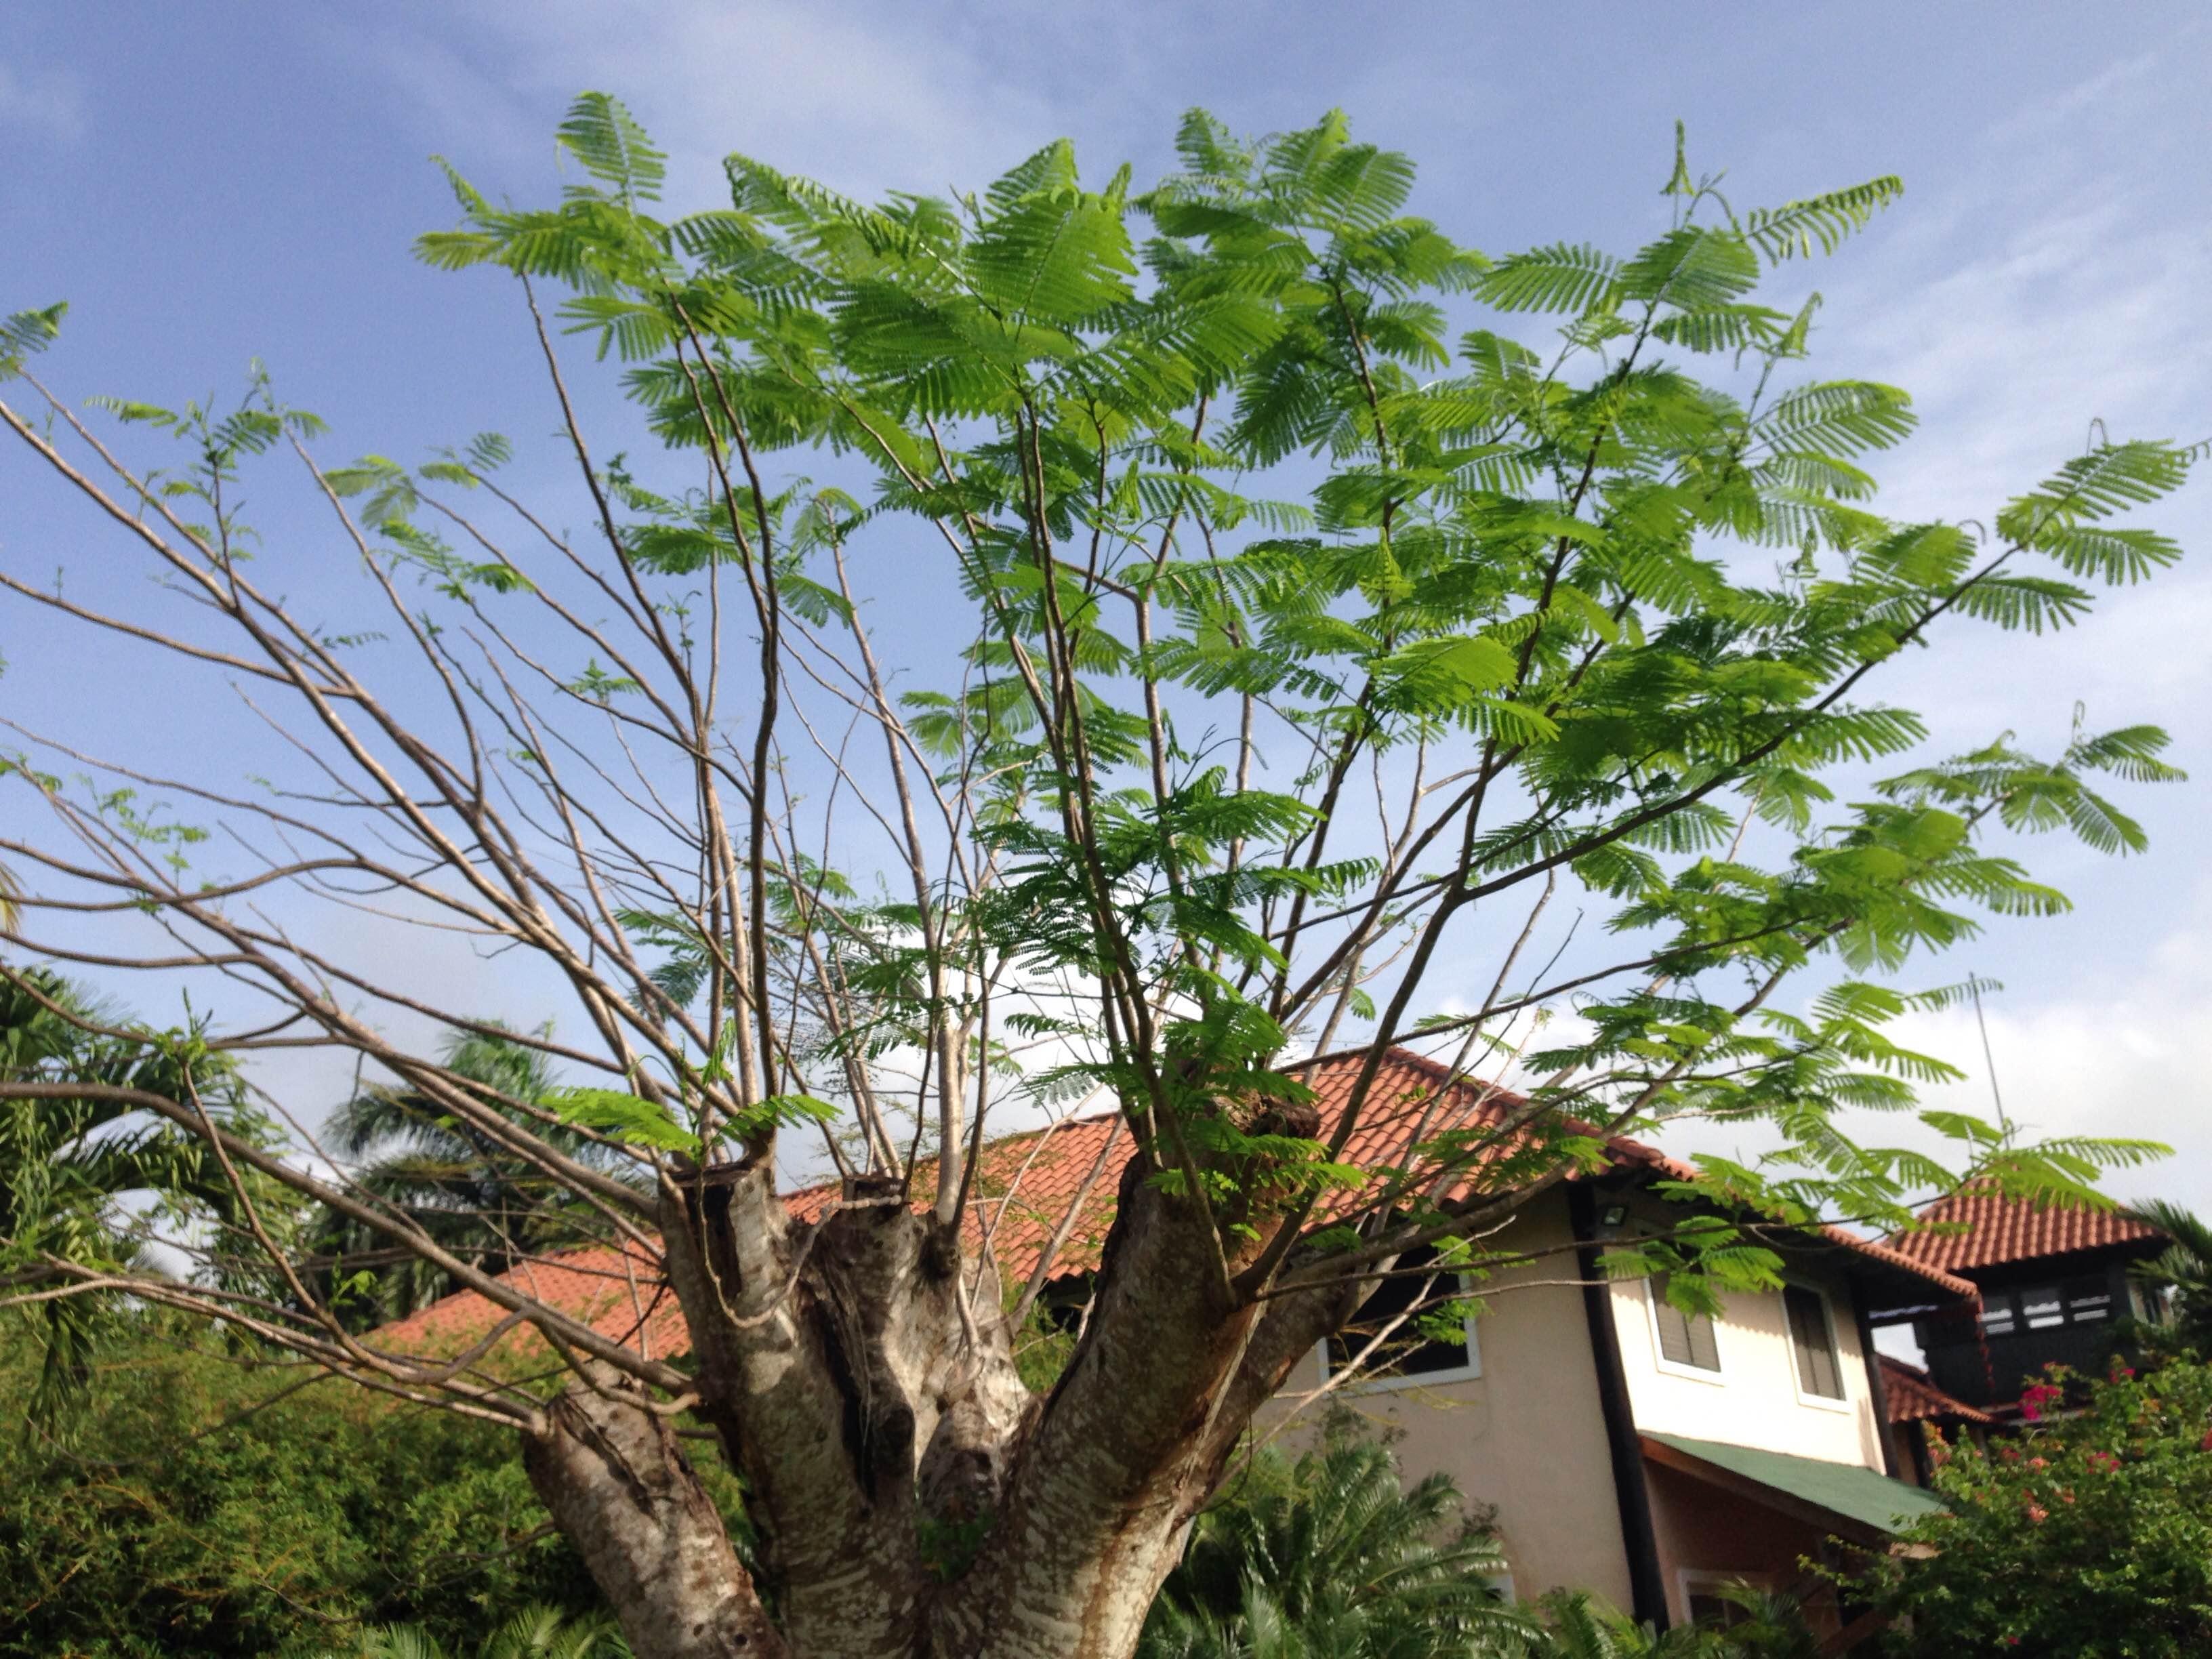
1995, 1231
1858, 1502
1057, 1186
1911, 1398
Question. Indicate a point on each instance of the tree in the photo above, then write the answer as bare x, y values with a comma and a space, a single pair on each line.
1260, 656
2183, 1272
480, 1201
2088, 1534
88, 1178
1327, 1558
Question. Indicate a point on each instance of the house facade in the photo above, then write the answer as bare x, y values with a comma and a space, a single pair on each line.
1628, 1447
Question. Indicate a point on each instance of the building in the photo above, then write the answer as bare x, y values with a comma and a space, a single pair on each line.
2052, 1285
1630, 1447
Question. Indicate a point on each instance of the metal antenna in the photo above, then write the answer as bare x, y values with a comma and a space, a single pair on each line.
1989, 1060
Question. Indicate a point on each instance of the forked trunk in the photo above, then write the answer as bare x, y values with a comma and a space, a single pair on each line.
914, 1500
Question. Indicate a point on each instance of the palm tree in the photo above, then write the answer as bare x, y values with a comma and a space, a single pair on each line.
1578, 1625
2184, 1271
83, 1177
479, 1201
1329, 1558
536, 1632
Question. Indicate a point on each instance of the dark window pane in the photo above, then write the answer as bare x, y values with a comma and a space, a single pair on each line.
1405, 1351
1820, 1371
1998, 1316
1716, 1611
1685, 1338
2088, 1301
2041, 1308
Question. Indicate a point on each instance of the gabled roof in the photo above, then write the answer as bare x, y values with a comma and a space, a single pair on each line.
1028, 1186
1913, 1399
2001, 1230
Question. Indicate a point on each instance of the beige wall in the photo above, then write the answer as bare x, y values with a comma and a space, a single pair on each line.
1526, 1436
1753, 1401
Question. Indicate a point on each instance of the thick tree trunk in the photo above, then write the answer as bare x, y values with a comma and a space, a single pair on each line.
619, 1487
914, 1500
1131, 1443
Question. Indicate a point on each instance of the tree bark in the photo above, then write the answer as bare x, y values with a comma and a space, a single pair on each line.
620, 1488
1131, 1443
912, 1500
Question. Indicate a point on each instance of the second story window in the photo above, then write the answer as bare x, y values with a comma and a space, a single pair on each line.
2046, 1307
1813, 1343
1387, 1328
1686, 1340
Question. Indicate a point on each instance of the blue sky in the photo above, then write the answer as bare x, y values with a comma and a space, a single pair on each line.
209, 184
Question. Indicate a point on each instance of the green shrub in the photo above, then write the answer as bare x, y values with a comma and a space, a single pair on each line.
201, 1507
2089, 1536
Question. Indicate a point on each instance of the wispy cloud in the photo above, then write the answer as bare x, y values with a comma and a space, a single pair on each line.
896, 101
45, 102
2122, 1055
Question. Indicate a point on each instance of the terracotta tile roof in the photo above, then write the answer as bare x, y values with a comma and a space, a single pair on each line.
1026, 1183
1913, 1399
619, 1291
2000, 1229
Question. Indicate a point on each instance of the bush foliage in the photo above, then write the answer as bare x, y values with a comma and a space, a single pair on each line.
2090, 1534
204, 1507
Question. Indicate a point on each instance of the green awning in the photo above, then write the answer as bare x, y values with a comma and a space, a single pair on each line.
1861, 1495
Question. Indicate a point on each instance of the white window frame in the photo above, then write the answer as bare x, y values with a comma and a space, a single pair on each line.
1471, 1371
1716, 1377
1805, 1396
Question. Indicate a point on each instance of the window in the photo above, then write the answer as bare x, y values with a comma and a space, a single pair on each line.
1406, 1352
1812, 1342
2042, 1308
2088, 1301
1711, 1610
1997, 1314
1686, 1340
1707, 1598
2046, 1307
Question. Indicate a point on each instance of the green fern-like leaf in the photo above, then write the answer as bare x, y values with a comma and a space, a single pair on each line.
601, 134
1563, 276
1796, 228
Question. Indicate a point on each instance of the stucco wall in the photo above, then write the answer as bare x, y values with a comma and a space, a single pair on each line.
1753, 1399
1528, 1435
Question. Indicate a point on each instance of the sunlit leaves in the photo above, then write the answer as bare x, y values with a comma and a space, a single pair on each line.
1563, 276
25, 333
602, 136
1797, 229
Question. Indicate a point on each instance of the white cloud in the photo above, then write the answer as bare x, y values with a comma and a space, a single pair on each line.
2123, 1054
893, 100
45, 102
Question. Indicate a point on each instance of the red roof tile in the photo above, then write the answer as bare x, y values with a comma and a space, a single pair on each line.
1913, 1399
620, 1292
1026, 1183
1999, 1229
